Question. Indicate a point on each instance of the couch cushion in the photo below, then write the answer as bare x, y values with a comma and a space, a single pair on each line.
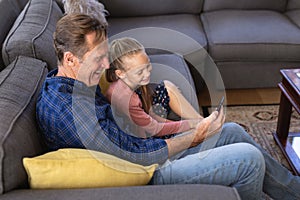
251, 36
252, 74
19, 85
155, 192
60, 4
294, 15
32, 33
134, 8
173, 68
293, 4
9, 11
181, 34
278, 5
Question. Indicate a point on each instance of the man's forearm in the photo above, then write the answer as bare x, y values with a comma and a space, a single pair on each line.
180, 143
188, 139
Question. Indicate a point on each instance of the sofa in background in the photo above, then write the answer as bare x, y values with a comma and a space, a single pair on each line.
27, 56
247, 40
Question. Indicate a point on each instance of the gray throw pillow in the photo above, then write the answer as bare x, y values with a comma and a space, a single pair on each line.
32, 33
9, 10
20, 83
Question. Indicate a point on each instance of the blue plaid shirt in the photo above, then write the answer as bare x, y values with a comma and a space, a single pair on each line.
72, 115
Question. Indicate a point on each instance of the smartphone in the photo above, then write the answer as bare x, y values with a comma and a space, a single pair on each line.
220, 104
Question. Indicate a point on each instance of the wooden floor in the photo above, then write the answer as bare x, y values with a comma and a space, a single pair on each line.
244, 97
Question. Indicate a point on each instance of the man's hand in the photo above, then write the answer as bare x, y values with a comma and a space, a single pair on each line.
206, 128
209, 126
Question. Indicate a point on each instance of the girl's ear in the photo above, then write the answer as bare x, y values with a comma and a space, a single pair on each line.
120, 73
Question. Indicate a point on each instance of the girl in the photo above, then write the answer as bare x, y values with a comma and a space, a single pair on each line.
139, 107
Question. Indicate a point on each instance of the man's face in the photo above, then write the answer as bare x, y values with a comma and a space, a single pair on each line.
93, 62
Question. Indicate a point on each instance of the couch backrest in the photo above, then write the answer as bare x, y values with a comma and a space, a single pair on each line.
60, 4
134, 8
9, 11
277, 5
293, 5
32, 33
20, 83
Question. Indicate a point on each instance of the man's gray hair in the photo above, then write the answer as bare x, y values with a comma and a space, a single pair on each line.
92, 8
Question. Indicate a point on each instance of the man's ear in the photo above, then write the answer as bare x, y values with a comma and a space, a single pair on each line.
120, 73
69, 59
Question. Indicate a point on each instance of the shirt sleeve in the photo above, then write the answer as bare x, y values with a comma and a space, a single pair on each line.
150, 124
96, 128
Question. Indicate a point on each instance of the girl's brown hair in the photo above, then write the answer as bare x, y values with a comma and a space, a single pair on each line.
119, 49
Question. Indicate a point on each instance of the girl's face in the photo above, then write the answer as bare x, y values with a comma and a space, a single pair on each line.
137, 70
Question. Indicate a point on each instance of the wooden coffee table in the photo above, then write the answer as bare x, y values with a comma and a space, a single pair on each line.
288, 142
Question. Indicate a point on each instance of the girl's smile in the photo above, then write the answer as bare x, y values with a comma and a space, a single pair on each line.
137, 70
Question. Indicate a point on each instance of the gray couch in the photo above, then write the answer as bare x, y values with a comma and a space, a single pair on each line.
247, 40
184, 31
27, 56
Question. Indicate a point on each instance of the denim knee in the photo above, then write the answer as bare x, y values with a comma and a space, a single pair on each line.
233, 128
234, 133
254, 155
253, 176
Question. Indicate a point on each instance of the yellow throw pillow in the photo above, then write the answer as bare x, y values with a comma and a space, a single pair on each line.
103, 83
82, 168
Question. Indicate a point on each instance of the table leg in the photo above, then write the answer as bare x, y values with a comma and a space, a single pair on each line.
284, 118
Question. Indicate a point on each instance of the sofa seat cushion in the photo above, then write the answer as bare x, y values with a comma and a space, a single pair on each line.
155, 192
251, 35
252, 74
181, 33
32, 33
20, 83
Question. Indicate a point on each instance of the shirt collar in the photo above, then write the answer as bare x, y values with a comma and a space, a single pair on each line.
68, 84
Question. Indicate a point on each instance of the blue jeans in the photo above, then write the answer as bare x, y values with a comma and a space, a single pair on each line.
231, 158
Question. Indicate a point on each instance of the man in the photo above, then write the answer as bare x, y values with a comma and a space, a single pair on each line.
72, 112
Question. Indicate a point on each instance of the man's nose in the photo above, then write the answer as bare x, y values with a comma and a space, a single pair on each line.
105, 63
